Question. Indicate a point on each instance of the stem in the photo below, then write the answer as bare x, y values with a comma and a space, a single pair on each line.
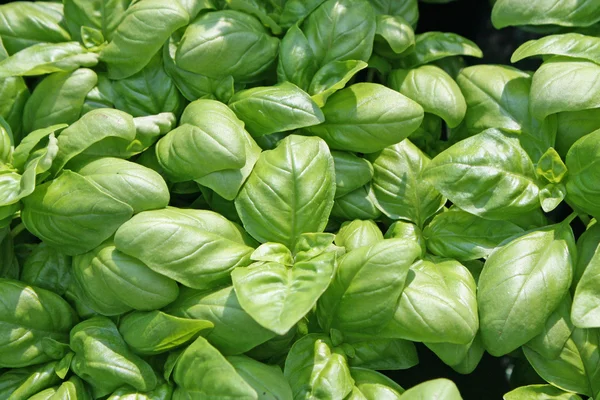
570, 218
585, 219
18, 229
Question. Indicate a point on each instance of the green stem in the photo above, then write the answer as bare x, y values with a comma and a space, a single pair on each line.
17, 229
371, 75
570, 218
584, 218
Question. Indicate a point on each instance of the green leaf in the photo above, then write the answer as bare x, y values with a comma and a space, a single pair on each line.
432, 46
58, 99
216, 377
544, 12
31, 315
406, 231
60, 213
47, 268
102, 15
539, 392
140, 187
103, 358
572, 126
340, 30
113, 283
277, 296
297, 63
587, 244
22, 383
586, 304
45, 58
227, 43
279, 108
234, 331
332, 77
562, 84
366, 118
462, 236
155, 332
267, 380
381, 354
195, 247
209, 138
147, 92
132, 35
409, 10
486, 161
500, 97
399, 191
533, 271
314, 369
551, 167
433, 89
393, 36
438, 304
434, 389
574, 45
552, 195
355, 302
583, 181
294, 11
273, 252
358, 204
289, 192
372, 385
351, 172
90, 129
357, 233
557, 330
27, 23
576, 369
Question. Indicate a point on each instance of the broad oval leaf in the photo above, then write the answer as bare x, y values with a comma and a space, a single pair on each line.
27, 23
102, 15
297, 63
28, 316
227, 43
357, 233
267, 380
399, 191
573, 45
435, 389
355, 302
45, 58
195, 247
533, 271
351, 172
113, 283
72, 214
462, 236
367, 117
497, 178
340, 30
234, 332
278, 296
279, 108
539, 392
332, 77
132, 35
289, 192
432, 46
438, 304
563, 84
103, 358
140, 187
202, 372
315, 370
155, 332
545, 12
58, 99
576, 369
583, 180
433, 89
47, 268
586, 301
